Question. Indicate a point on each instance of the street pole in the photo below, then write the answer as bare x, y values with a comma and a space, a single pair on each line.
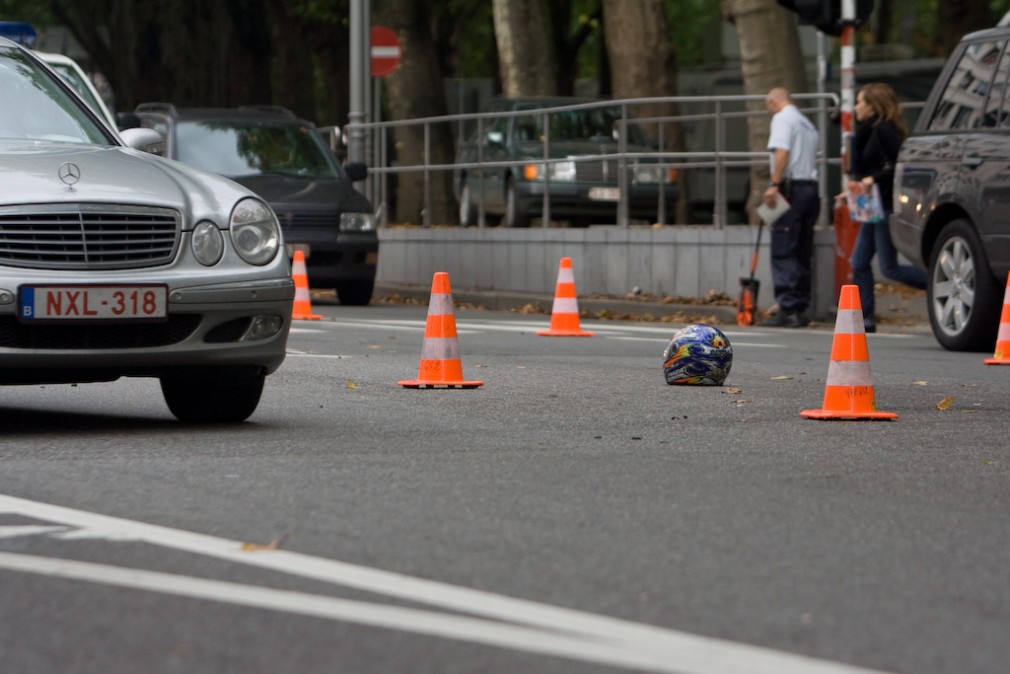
358, 81
848, 81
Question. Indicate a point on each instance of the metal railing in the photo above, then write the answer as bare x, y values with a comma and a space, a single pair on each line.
728, 149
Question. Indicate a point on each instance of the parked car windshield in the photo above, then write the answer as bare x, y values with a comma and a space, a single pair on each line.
33, 106
242, 149
590, 123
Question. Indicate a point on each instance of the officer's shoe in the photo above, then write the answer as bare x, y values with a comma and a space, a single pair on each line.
788, 319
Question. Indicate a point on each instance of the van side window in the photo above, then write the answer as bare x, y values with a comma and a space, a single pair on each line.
962, 104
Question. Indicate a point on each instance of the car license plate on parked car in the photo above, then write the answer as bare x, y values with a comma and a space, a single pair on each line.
108, 302
604, 193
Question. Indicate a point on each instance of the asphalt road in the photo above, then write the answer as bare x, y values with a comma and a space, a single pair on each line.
573, 514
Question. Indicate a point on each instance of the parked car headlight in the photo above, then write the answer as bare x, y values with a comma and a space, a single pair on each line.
651, 174
207, 243
562, 171
357, 222
255, 231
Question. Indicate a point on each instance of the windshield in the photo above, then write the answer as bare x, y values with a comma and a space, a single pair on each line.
33, 105
589, 123
242, 149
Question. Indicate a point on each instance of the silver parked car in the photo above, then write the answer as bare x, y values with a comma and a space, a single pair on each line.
116, 262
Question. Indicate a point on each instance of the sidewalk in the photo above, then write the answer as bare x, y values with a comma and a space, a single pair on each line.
899, 308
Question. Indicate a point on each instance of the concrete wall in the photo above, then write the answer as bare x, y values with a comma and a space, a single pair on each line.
679, 261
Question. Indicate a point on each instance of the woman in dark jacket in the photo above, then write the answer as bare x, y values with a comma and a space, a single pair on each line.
879, 135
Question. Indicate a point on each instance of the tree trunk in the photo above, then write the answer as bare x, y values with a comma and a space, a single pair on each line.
415, 90
770, 56
525, 48
638, 48
960, 17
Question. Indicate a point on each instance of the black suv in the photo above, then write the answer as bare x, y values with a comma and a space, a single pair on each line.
952, 192
284, 160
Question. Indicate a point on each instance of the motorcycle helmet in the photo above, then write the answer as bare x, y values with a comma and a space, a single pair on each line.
698, 354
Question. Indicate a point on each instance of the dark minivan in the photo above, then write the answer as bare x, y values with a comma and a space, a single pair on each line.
285, 161
952, 192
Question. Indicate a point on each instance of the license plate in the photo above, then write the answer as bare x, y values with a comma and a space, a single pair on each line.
604, 193
97, 302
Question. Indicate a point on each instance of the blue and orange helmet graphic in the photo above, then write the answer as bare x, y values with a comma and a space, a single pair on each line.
698, 354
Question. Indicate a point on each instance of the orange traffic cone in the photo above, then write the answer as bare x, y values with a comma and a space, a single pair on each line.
849, 390
1001, 356
440, 364
302, 308
565, 312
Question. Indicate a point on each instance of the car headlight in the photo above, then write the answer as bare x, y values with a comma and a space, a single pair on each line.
357, 222
255, 231
561, 171
651, 174
207, 243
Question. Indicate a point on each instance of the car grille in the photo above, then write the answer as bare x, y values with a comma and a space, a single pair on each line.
88, 336
87, 236
599, 172
310, 219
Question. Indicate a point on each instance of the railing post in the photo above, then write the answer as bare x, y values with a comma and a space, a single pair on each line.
622, 169
719, 197
426, 213
545, 212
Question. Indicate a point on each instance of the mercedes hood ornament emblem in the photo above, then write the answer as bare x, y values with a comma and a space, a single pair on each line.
69, 173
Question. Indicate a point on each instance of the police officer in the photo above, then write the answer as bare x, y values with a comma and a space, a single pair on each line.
792, 144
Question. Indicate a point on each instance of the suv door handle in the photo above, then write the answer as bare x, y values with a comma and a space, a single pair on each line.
971, 161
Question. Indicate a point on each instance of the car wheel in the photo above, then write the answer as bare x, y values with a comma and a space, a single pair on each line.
205, 400
356, 293
514, 217
467, 213
963, 298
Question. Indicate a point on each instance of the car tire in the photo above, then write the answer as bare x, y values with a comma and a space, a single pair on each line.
355, 293
467, 212
963, 297
514, 217
218, 400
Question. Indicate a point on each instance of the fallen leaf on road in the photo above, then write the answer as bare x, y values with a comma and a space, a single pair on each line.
921, 382
351, 384
781, 377
255, 547
732, 390
945, 403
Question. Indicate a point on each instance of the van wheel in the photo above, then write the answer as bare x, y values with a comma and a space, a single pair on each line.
355, 293
962, 293
514, 217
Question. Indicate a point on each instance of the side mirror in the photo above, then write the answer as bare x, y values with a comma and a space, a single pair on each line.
356, 170
146, 140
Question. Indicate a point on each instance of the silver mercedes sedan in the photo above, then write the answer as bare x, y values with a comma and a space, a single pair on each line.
116, 262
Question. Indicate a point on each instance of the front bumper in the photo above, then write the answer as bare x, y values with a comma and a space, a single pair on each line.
208, 326
582, 200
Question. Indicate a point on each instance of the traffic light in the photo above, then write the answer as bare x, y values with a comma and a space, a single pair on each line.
826, 15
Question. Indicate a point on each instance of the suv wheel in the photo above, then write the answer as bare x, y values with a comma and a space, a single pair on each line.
514, 217
212, 400
963, 299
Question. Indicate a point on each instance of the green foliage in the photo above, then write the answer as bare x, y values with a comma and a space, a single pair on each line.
692, 24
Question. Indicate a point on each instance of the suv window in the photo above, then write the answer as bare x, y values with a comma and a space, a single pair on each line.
962, 104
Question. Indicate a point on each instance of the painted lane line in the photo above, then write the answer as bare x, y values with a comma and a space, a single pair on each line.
14, 531
462, 628
692, 654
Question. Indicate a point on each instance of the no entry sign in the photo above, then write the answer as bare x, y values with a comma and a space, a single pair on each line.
385, 51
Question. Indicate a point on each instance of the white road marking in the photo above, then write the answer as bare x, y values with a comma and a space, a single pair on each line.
13, 531
643, 646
